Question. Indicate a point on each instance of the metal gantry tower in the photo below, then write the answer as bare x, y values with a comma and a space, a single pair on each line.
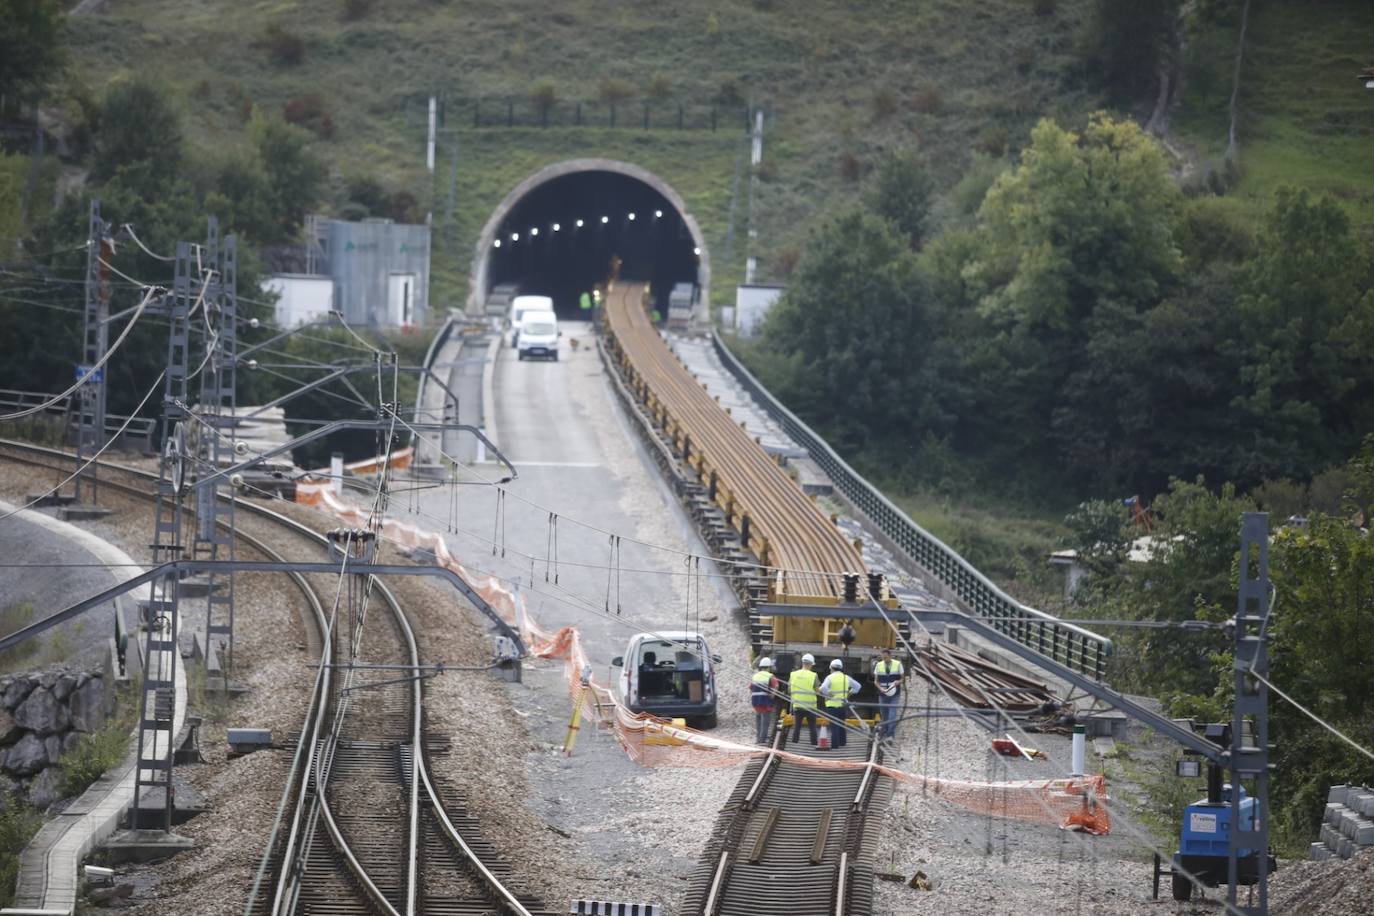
90, 428
215, 439
157, 700
1250, 725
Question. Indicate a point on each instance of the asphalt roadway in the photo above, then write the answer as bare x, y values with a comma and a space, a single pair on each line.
582, 472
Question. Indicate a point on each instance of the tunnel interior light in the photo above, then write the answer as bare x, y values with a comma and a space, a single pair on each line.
556, 227
605, 220
579, 224
496, 244
696, 251
632, 216
534, 230
658, 214
515, 236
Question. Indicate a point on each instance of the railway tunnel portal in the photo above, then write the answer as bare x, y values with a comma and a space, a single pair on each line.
556, 232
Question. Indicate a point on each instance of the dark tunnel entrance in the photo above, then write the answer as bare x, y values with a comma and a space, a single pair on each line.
558, 238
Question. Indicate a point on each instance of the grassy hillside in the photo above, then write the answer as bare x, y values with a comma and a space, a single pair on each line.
842, 83
1304, 117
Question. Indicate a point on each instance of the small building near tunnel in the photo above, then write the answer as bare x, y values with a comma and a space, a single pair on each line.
379, 271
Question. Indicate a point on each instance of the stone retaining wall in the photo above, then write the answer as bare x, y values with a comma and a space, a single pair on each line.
43, 716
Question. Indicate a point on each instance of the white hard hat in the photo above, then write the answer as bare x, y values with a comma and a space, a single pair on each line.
836, 664
765, 662
808, 659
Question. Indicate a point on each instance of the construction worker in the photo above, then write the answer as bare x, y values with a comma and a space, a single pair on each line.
801, 686
888, 675
761, 693
837, 689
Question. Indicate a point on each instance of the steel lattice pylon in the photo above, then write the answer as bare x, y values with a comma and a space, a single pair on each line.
215, 439
90, 427
157, 700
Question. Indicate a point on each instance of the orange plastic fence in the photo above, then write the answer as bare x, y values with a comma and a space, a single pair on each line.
1071, 803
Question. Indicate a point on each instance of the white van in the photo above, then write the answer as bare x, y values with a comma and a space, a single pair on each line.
521, 305
670, 674
539, 335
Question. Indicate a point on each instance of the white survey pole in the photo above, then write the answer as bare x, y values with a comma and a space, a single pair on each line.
336, 470
1080, 739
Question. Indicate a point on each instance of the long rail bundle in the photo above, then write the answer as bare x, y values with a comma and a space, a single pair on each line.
777, 521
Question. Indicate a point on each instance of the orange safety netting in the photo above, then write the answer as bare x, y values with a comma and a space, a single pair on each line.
1071, 803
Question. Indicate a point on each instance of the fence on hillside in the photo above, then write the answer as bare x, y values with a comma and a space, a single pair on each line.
532, 111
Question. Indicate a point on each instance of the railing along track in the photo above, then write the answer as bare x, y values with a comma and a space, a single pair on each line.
355, 870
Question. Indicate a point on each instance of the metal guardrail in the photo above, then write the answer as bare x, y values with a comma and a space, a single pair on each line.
136, 432
951, 575
434, 346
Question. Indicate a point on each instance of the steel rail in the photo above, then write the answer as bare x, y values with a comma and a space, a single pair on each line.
312, 762
783, 522
285, 896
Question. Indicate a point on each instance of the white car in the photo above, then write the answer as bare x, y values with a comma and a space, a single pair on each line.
520, 306
539, 336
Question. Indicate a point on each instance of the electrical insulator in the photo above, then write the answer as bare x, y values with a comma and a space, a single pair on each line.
851, 588
877, 586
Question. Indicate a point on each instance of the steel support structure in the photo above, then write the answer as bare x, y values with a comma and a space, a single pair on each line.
214, 433
95, 340
157, 698
1250, 721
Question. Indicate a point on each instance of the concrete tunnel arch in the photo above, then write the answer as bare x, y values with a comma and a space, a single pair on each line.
480, 282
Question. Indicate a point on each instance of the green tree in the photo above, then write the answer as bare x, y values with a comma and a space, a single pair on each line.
866, 358
1185, 571
137, 124
1324, 581
1084, 222
1308, 314
30, 45
1126, 44
295, 175
901, 191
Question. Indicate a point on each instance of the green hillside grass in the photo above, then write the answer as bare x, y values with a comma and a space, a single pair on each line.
842, 84
1304, 117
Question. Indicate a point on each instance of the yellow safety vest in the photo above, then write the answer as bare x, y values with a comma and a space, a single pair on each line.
802, 685
839, 697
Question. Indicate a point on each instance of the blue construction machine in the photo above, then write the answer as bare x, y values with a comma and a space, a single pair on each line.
1204, 843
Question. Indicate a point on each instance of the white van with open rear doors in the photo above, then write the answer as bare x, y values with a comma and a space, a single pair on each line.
671, 675
522, 305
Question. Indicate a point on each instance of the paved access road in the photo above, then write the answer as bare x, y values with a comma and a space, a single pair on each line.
561, 425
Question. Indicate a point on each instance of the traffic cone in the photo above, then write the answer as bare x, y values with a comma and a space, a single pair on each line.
823, 737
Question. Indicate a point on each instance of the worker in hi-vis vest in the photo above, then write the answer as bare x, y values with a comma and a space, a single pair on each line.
837, 689
888, 674
762, 693
801, 686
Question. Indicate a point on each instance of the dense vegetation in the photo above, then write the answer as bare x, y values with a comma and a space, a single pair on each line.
1081, 323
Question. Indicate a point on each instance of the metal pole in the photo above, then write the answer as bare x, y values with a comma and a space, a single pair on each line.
1249, 757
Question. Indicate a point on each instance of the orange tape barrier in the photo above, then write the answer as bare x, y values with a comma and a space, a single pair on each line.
650, 741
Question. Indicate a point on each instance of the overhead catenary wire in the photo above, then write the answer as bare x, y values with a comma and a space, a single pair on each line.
99, 364
91, 460
1137, 833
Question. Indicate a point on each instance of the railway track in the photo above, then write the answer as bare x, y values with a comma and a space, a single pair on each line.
776, 520
791, 840
385, 836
